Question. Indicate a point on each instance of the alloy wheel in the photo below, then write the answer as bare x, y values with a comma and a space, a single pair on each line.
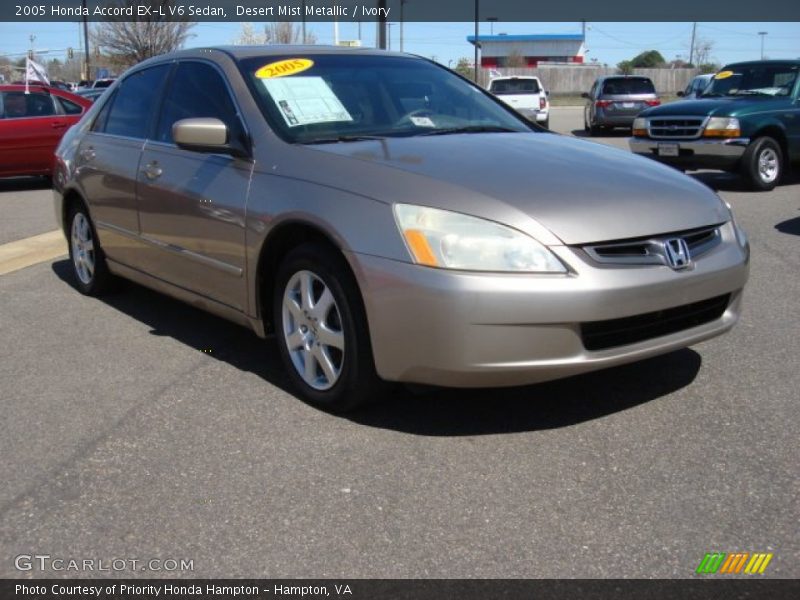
83, 253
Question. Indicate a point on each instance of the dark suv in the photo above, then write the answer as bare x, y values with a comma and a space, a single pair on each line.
746, 120
615, 102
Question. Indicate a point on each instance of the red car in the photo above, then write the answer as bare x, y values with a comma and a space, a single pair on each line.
31, 125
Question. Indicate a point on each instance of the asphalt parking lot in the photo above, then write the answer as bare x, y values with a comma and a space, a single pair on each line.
138, 427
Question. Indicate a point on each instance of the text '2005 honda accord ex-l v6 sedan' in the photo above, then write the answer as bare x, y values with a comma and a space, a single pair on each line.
389, 221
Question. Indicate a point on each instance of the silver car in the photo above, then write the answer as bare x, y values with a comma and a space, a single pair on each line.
615, 101
389, 221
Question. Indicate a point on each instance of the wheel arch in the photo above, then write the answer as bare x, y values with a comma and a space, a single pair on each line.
777, 133
281, 240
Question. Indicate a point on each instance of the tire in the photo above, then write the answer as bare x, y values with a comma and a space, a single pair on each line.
89, 267
595, 130
546, 123
326, 349
762, 163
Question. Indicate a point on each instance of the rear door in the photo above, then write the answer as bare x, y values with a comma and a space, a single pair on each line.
192, 204
518, 93
108, 162
627, 95
30, 129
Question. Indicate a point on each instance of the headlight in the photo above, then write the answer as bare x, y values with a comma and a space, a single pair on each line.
722, 127
640, 127
741, 236
449, 240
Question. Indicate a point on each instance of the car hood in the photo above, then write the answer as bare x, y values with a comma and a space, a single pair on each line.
718, 107
580, 191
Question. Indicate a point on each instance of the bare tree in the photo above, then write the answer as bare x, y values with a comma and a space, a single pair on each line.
702, 51
129, 43
274, 33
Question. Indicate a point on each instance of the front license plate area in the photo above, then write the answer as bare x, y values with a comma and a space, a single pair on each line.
668, 149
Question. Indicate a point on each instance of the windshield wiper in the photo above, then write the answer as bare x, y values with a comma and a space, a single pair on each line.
344, 138
471, 129
750, 93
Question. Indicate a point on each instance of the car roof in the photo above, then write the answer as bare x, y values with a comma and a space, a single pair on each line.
506, 77
767, 63
243, 52
20, 87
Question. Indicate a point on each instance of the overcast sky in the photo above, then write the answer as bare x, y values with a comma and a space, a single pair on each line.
607, 42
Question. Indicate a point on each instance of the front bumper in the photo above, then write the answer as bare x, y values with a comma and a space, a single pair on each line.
703, 153
462, 329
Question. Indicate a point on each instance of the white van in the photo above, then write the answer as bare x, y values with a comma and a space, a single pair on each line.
526, 95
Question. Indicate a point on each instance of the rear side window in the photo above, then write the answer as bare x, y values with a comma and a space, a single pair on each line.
197, 91
628, 86
19, 105
70, 108
132, 109
514, 86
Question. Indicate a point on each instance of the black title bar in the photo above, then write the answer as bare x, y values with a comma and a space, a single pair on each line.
412, 11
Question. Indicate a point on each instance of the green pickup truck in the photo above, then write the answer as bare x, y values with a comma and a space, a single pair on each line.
746, 120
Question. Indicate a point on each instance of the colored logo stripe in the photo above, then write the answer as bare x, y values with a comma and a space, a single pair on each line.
734, 562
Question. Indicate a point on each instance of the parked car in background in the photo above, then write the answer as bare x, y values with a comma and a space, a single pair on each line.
746, 120
91, 93
103, 83
615, 101
32, 124
526, 95
389, 220
696, 86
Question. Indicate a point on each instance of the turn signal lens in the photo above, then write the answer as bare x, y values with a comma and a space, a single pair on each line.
726, 127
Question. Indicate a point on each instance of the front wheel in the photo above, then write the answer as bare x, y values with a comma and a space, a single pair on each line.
322, 330
762, 163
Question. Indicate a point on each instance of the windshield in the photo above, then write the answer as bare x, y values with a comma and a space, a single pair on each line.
335, 97
756, 80
514, 86
628, 85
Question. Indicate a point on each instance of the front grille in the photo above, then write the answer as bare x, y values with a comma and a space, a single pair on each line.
650, 251
601, 335
672, 128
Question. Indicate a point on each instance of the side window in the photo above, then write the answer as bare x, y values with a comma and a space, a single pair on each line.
101, 118
18, 105
70, 108
132, 109
197, 91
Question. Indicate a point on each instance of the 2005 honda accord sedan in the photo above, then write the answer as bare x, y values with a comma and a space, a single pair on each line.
389, 221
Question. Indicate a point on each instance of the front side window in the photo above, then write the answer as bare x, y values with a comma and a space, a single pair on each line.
19, 105
131, 110
333, 97
197, 91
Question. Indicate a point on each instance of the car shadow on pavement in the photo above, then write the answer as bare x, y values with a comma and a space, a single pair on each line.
790, 226
24, 184
612, 133
426, 411
721, 181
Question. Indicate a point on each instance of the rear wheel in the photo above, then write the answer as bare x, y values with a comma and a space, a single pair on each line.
762, 163
89, 267
322, 330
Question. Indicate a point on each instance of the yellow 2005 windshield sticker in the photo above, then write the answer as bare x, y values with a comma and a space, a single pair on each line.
282, 68
723, 75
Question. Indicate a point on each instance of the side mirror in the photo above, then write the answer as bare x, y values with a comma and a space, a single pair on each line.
584, 95
206, 135
547, 92
681, 94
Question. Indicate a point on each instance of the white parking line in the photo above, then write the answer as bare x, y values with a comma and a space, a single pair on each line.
31, 251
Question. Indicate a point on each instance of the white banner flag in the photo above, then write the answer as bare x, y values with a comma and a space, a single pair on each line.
35, 72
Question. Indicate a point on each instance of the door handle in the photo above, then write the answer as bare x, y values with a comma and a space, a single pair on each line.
58, 125
152, 170
88, 154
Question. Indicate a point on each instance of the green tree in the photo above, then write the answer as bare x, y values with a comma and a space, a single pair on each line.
649, 59
464, 68
625, 67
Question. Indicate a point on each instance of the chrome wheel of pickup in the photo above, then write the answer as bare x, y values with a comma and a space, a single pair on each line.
768, 165
762, 163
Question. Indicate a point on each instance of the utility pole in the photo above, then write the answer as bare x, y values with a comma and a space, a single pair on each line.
691, 48
477, 41
402, 4
85, 41
762, 34
382, 25
492, 21
303, 14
